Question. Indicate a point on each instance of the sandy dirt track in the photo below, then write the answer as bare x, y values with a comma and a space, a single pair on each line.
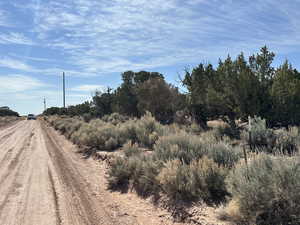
43, 183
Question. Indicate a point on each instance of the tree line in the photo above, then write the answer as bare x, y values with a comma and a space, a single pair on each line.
232, 90
5, 111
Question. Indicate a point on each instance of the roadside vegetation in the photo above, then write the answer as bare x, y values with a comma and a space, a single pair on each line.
166, 160
248, 165
5, 120
7, 116
5, 111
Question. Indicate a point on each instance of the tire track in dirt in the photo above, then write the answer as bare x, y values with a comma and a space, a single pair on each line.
13, 155
39, 184
12, 165
10, 127
55, 197
82, 209
7, 133
23, 198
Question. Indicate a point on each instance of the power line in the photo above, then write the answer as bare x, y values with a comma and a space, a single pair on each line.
64, 90
45, 107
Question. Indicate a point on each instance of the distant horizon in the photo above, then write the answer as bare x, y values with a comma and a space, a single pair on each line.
93, 42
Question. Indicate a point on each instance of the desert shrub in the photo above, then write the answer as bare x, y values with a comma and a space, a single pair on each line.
97, 123
148, 130
68, 126
114, 118
137, 171
182, 117
145, 182
182, 146
98, 134
262, 139
87, 117
52, 119
111, 144
73, 127
192, 128
131, 149
120, 172
145, 131
127, 131
287, 142
259, 136
4, 120
187, 147
212, 136
59, 124
268, 190
175, 180
224, 155
202, 179
231, 132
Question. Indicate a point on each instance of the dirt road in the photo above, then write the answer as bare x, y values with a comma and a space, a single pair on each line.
43, 182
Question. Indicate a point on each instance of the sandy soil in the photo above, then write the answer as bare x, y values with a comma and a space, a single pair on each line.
44, 181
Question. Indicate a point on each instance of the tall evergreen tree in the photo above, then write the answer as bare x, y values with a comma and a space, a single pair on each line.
285, 94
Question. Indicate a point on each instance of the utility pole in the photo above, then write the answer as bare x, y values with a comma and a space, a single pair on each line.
45, 107
64, 90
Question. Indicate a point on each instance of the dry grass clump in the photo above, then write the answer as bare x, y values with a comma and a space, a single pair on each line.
288, 141
120, 172
224, 154
4, 120
131, 149
115, 118
145, 182
226, 130
145, 131
148, 130
67, 126
258, 136
182, 146
267, 190
187, 147
99, 135
138, 172
192, 128
263, 139
202, 179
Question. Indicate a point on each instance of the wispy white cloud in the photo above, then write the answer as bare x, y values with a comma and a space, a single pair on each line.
112, 36
15, 38
4, 19
88, 88
98, 37
18, 83
38, 59
11, 63
23, 66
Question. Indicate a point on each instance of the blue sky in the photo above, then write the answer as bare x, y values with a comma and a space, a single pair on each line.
93, 41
